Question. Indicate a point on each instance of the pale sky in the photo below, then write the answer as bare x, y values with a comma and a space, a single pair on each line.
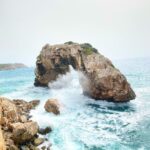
117, 28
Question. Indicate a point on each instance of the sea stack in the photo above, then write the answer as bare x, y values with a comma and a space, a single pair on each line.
100, 79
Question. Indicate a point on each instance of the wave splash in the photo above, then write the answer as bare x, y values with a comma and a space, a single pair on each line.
85, 124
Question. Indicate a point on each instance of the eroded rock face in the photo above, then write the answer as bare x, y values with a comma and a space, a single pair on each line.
9, 113
101, 80
24, 132
104, 81
52, 105
2, 143
44, 131
17, 129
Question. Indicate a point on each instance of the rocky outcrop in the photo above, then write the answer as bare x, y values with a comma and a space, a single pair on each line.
52, 105
24, 132
9, 113
11, 66
100, 79
19, 132
2, 143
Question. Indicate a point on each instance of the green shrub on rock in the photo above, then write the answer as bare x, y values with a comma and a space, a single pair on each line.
88, 49
69, 43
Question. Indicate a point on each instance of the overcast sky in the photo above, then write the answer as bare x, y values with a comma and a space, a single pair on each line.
118, 28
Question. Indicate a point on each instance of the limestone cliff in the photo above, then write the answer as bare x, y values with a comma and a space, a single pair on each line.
101, 80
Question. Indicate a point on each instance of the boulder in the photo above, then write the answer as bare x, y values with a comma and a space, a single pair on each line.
25, 147
52, 105
45, 131
13, 147
23, 132
32, 147
38, 141
8, 113
100, 79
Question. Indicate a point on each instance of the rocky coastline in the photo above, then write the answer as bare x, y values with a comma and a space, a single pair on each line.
17, 130
99, 79
11, 66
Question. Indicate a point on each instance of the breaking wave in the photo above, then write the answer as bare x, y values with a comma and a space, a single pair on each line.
85, 124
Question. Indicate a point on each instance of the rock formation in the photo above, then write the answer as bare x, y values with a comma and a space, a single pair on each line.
52, 105
100, 80
2, 143
18, 131
11, 66
44, 131
24, 132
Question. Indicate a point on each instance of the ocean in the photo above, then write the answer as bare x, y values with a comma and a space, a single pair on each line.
85, 124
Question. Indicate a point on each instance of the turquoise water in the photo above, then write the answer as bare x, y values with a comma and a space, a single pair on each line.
85, 124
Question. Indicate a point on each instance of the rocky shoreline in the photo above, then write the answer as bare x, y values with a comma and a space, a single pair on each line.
17, 130
11, 66
97, 75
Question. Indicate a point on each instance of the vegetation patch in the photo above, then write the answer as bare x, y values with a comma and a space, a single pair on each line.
88, 49
69, 43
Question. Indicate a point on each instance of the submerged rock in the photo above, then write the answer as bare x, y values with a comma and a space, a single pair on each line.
52, 105
45, 131
100, 79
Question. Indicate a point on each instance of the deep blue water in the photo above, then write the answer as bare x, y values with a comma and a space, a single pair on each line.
85, 124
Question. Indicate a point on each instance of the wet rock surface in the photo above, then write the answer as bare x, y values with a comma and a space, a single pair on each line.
45, 131
38, 141
52, 106
24, 132
101, 80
